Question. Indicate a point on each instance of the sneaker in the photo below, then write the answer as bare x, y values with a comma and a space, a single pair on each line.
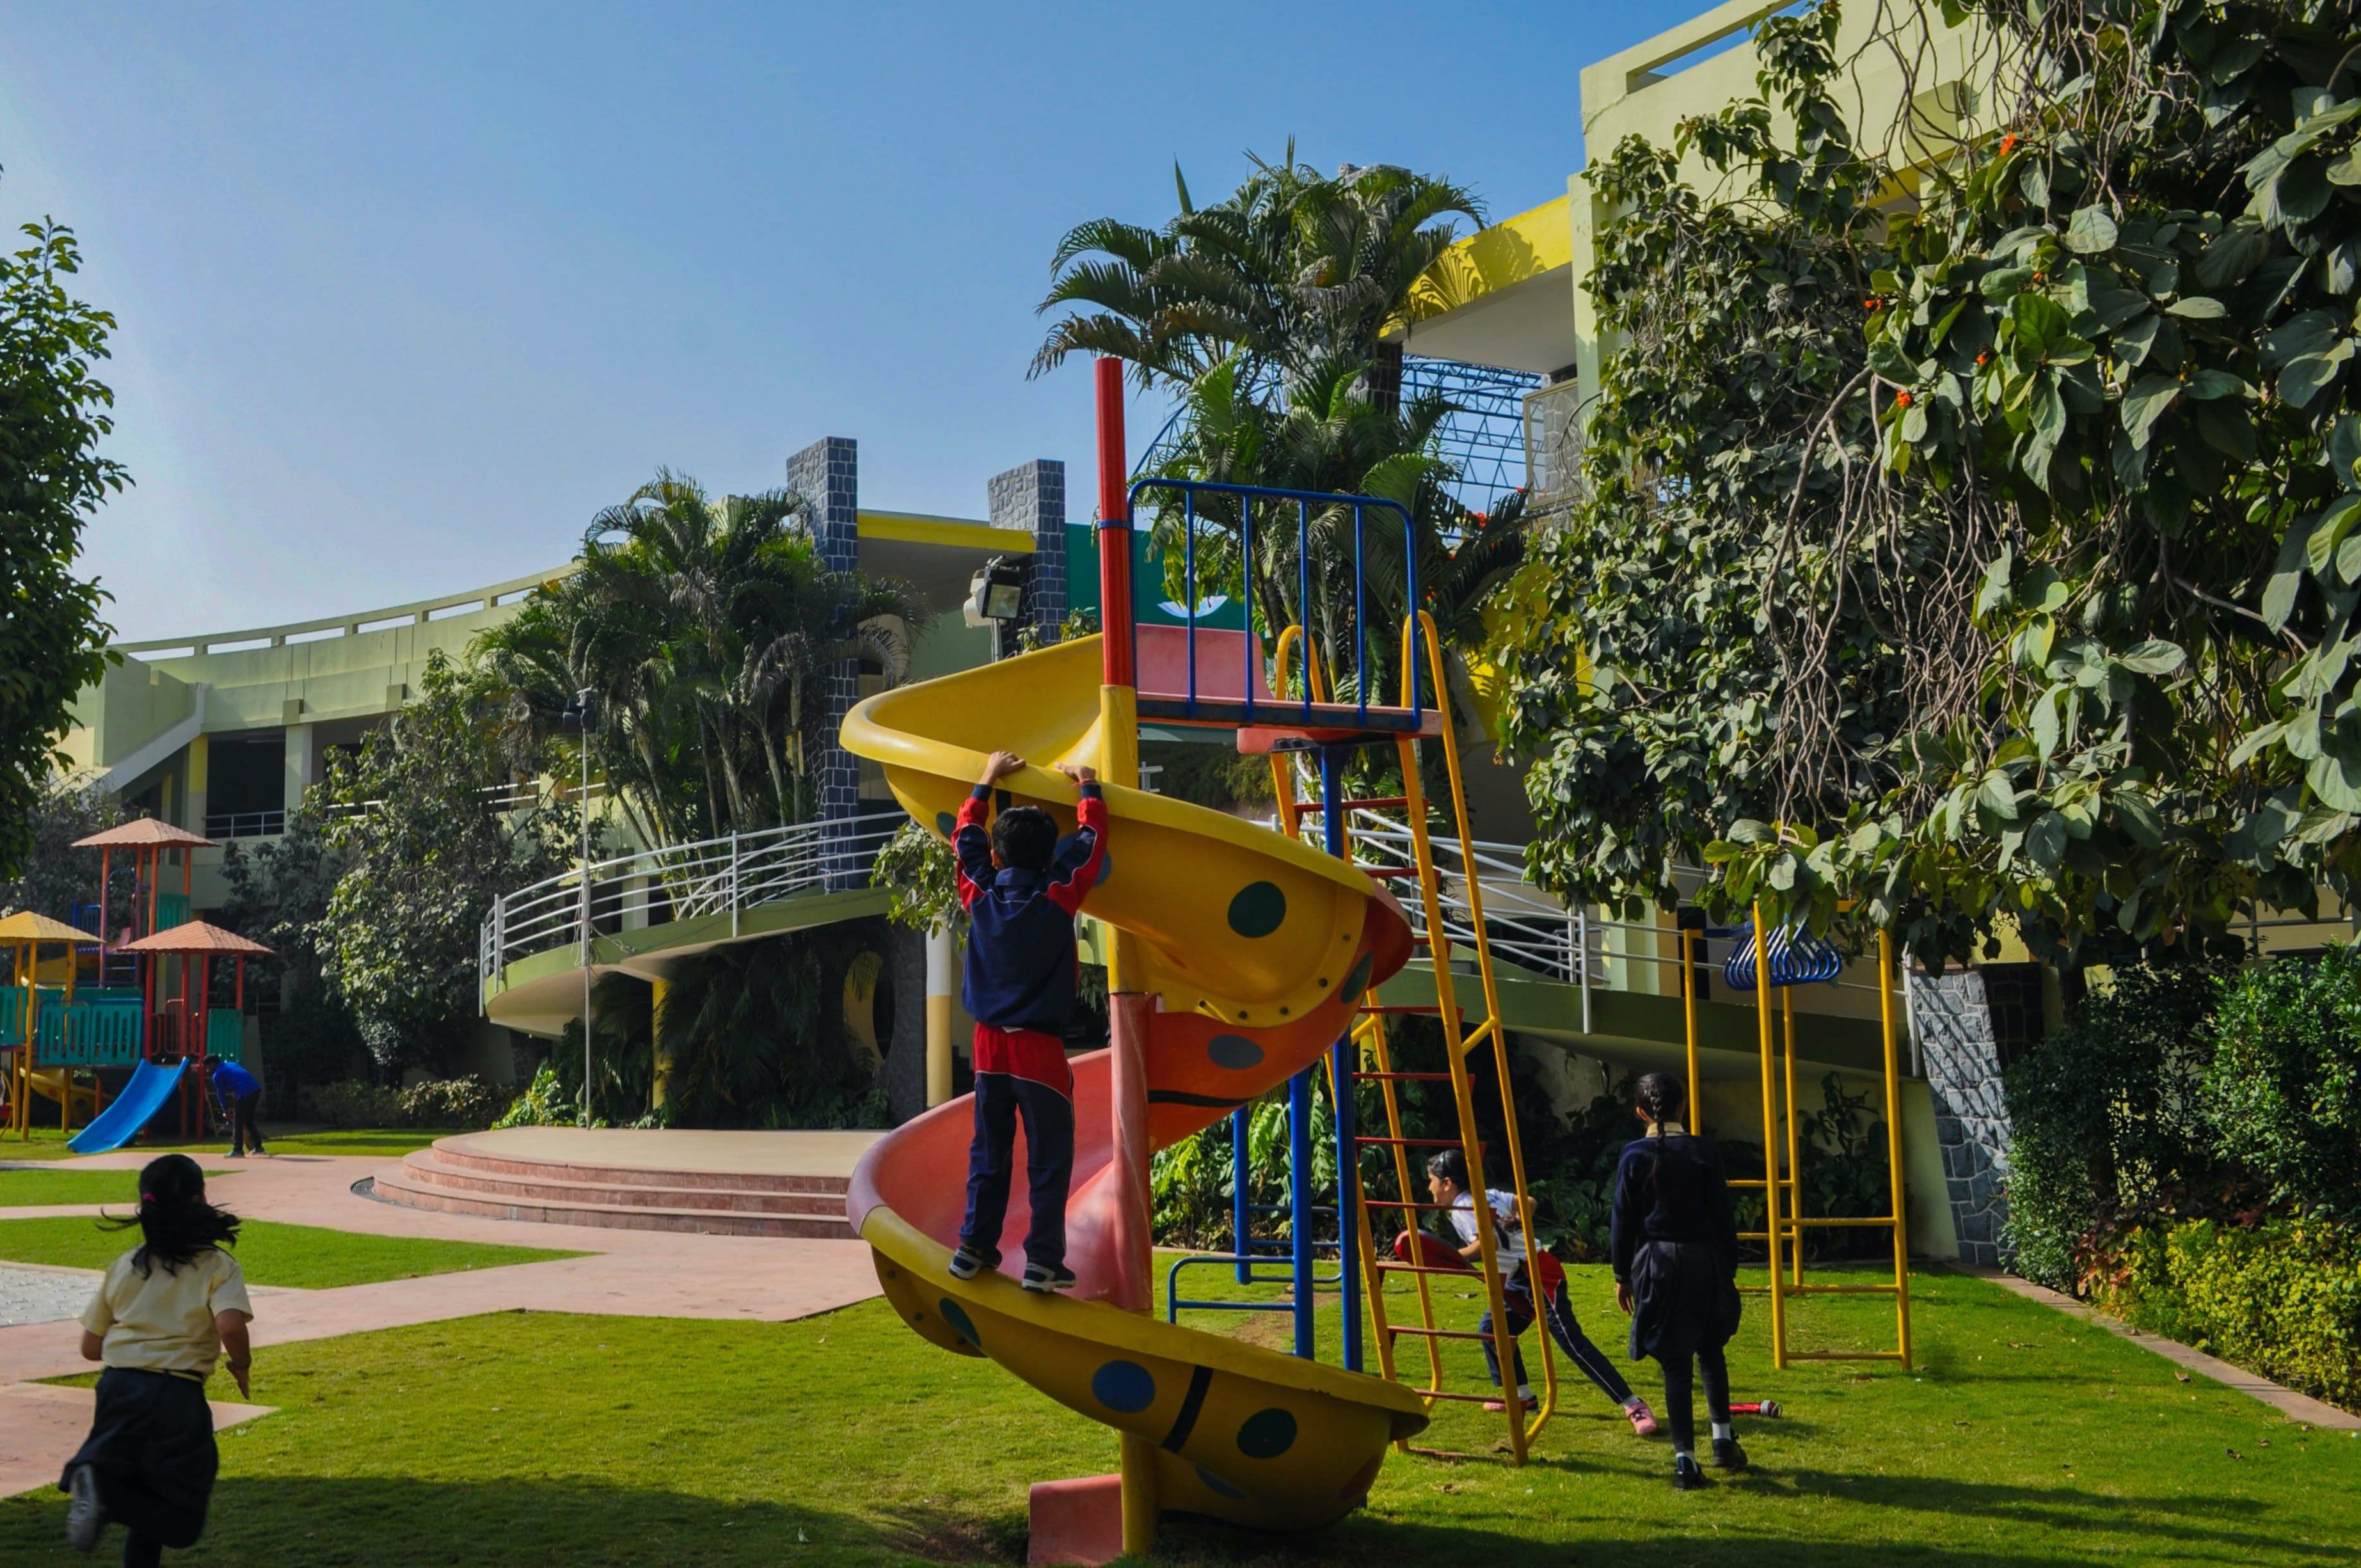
85, 1514
1048, 1276
1727, 1454
1686, 1476
233, 1155
1524, 1395
1643, 1419
967, 1262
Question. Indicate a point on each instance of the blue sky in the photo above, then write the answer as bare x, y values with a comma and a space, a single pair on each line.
407, 292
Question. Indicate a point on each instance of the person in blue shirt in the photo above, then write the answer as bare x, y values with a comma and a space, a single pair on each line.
238, 1092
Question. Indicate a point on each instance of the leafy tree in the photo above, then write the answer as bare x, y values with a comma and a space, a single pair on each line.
1293, 271
705, 629
52, 876
53, 413
425, 851
280, 892
2283, 1093
1977, 556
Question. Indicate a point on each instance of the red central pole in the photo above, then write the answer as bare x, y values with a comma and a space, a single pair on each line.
1114, 529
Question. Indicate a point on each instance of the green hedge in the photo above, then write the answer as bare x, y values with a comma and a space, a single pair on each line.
2283, 1298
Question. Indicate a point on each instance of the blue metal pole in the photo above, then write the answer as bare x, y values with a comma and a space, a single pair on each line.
1348, 1283
1241, 1198
1298, 1201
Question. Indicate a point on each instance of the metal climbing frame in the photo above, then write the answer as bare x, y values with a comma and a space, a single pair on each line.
1771, 964
1368, 1039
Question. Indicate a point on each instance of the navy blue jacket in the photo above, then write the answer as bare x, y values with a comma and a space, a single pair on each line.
1671, 1189
1020, 945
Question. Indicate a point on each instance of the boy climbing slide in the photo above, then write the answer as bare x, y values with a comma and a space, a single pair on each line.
1021, 887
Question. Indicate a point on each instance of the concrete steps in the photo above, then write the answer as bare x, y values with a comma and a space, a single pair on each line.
453, 1178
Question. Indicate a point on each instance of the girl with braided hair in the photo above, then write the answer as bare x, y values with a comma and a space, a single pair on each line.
1674, 1247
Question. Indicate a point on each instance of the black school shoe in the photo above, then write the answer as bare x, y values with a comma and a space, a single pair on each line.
86, 1514
1686, 1476
1046, 1278
1727, 1454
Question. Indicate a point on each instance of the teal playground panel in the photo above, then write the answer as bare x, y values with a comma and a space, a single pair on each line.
106, 1032
172, 909
225, 1035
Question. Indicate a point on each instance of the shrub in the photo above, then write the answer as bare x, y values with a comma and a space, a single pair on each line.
352, 1102
457, 1102
464, 1102
2106, 1116
543, 1103
2283, 1096
2283, 1298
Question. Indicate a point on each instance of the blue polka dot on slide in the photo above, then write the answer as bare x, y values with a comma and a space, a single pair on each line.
1124, 1387
1266, 1433
1235, 1052
1219, 1487
956, 1315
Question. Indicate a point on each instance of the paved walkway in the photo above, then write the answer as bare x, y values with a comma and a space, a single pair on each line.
624, 1273
31, 1294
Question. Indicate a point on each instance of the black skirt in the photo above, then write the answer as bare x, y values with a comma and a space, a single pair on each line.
151, 1442
1683, 1298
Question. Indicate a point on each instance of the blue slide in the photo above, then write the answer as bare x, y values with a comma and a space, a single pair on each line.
149, 1091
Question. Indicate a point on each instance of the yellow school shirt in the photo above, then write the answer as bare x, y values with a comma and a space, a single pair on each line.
163, 1320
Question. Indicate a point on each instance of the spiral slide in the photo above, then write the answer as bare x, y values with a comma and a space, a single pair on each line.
1256, 950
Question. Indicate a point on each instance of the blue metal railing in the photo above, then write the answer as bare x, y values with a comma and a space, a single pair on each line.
1246, 495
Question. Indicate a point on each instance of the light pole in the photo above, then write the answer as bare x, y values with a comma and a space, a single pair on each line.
578, 719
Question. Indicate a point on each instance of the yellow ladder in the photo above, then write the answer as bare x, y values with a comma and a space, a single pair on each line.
1460, 1041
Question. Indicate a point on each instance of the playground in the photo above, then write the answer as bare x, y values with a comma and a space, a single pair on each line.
615, 1347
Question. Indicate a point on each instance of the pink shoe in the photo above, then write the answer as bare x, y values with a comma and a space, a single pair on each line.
1643, 1419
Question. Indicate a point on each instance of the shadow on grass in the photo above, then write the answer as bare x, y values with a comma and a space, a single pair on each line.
377, 1522
385, 1523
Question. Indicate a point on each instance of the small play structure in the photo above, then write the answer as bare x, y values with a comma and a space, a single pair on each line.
1788, 958
1241, 960
63, 1039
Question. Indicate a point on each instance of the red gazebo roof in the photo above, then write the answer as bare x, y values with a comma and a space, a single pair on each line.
196, 936
146, 832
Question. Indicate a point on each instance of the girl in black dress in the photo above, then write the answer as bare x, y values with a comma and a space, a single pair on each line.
1674, 1244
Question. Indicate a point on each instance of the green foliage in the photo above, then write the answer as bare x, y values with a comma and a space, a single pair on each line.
52, 876
462, 1104
424, 851
543, 1103
1291, 271
1216, 777
53, 416
280, 892
755, 1032
705, 629
2107, 1129
2282, 1096
622, 1057
920, 876
2283, 1298
1979, 557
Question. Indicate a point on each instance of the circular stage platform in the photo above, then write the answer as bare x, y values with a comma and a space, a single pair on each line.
733, 1184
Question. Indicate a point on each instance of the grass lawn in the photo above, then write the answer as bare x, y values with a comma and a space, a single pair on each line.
2025, 1438
382, 1142
29, 1188
307, 1256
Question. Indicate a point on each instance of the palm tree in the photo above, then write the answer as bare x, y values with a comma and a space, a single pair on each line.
702, 628
1293, 271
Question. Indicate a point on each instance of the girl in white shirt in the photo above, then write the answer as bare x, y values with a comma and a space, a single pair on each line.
167, 1310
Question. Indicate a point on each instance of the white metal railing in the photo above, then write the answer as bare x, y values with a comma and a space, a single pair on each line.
728, 876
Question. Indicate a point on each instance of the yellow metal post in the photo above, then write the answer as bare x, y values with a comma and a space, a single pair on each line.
659, 992
1688, 1013
1770, 1229
1794, 1162
1886, 979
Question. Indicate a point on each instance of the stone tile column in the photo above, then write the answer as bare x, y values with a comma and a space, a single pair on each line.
826, 474
1031, 499
1963, 1078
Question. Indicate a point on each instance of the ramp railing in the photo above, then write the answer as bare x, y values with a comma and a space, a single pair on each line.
723, 876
